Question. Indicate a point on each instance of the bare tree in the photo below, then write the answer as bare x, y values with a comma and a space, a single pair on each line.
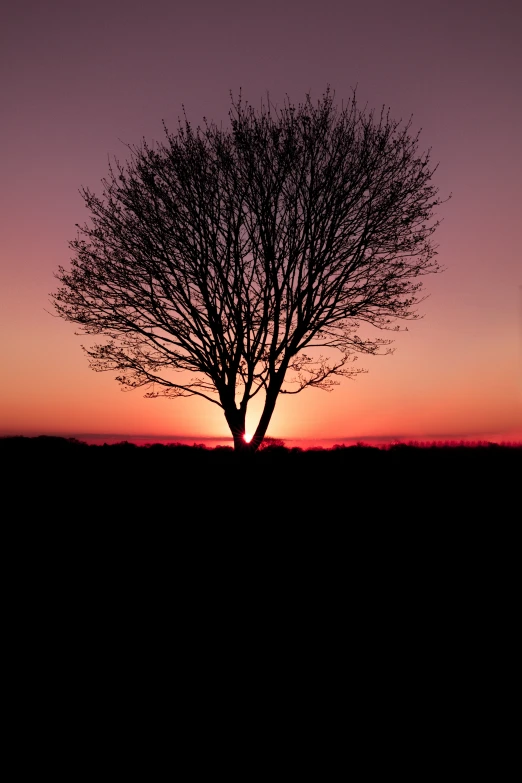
225, 262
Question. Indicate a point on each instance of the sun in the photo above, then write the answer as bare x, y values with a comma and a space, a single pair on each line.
247, 438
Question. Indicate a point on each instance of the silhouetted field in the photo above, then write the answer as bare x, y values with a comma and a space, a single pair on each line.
415, 543
179, 481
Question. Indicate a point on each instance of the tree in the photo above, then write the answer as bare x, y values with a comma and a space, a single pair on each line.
225, 262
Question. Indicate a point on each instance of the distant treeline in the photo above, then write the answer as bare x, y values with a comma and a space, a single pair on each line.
269, 444
272, 450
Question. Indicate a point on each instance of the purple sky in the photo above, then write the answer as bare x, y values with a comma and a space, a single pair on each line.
78, 79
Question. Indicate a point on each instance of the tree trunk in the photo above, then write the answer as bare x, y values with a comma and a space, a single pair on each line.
236, 417
264, 421
236, 421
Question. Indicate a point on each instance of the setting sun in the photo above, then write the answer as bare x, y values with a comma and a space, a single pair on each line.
247, 438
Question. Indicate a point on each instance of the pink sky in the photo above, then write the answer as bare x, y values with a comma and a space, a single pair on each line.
79, 79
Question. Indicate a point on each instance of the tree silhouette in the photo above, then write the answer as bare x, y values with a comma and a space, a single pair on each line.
225, 262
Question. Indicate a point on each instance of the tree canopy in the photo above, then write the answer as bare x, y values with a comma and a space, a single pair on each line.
230, 261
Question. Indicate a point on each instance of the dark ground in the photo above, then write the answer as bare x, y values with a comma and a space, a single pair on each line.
70, 480
387, 579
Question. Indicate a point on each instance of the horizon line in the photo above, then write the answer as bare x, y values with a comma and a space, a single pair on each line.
119, 437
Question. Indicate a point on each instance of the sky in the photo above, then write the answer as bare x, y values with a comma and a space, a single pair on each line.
78, 81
